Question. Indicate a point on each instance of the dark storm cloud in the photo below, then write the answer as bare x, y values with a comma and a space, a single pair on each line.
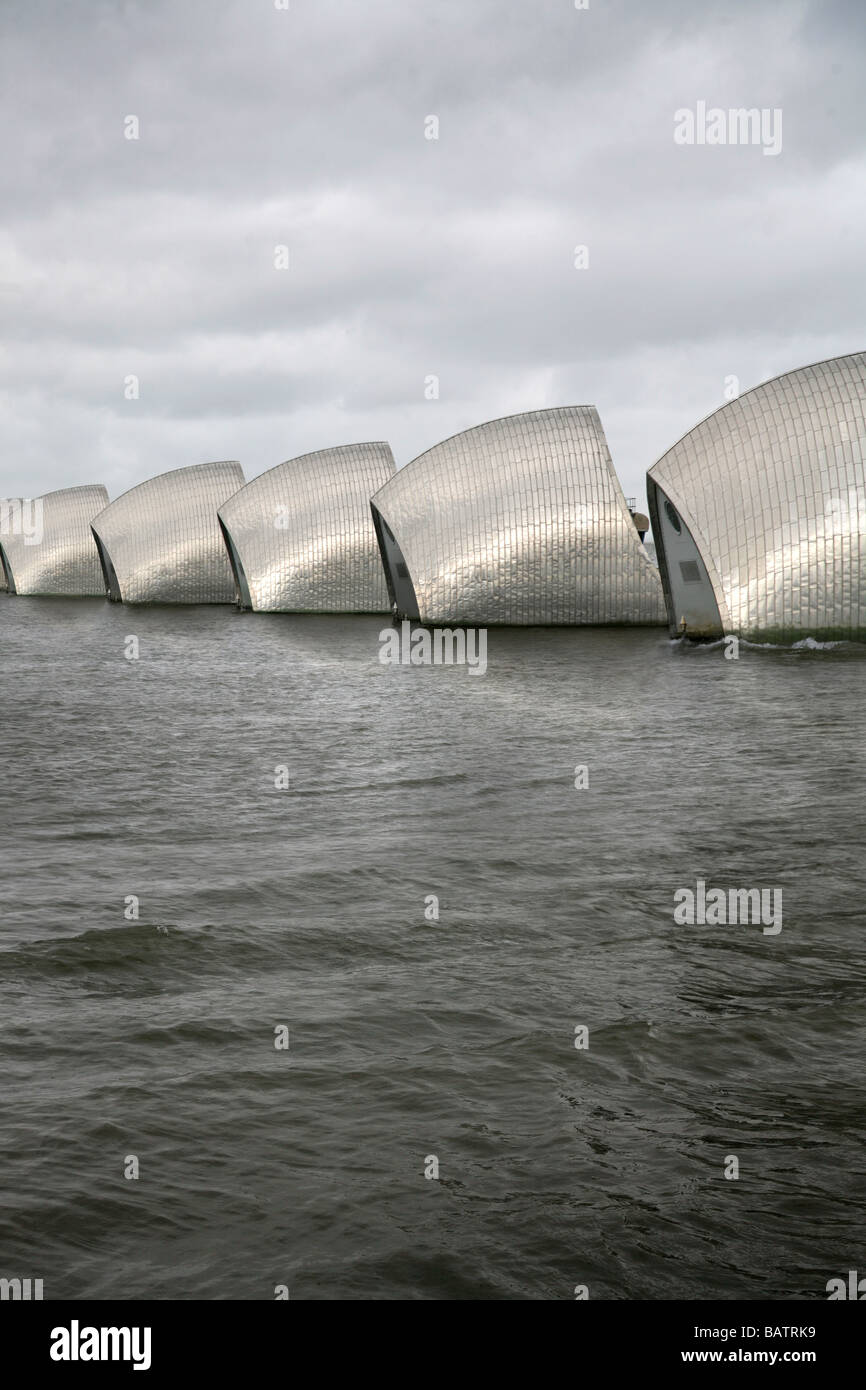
409, 257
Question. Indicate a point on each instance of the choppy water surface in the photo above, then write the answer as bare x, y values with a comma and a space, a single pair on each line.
408, 1037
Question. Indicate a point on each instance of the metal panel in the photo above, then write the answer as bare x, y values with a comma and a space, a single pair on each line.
518, 521
771, 488
161, 542
61, 557
7, 511
301, 535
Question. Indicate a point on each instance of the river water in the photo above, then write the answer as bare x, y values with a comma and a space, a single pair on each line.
429, 915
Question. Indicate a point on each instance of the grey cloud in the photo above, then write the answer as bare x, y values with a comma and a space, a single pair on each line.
408, 257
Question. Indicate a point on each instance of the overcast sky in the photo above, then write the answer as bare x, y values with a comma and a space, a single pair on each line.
410, 257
